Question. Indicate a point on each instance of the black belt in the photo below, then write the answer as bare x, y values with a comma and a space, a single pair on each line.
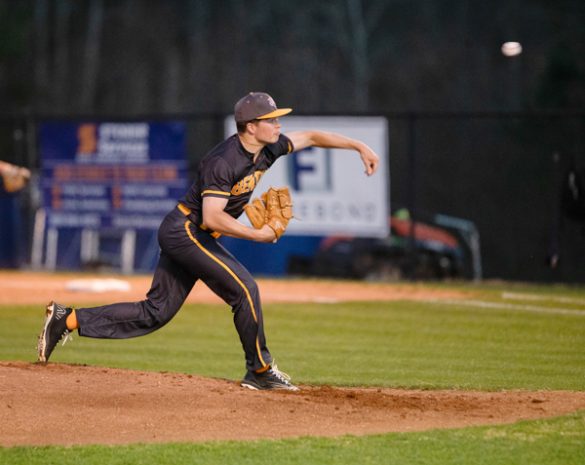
187, 212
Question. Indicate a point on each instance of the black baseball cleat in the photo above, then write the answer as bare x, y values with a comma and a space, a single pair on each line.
54, 330
272, 378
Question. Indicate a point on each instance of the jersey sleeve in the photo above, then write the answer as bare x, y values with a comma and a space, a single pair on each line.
216, 178
282, 146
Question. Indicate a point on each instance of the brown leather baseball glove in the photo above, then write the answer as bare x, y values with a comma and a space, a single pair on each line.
275, 209
256, 212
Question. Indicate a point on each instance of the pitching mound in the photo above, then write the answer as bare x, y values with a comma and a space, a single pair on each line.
73, 404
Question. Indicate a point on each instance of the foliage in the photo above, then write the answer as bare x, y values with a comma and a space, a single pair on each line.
184, 55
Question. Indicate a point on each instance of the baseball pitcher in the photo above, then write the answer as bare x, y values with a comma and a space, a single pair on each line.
190, 251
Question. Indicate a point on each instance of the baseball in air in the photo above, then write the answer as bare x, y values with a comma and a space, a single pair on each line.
511, 49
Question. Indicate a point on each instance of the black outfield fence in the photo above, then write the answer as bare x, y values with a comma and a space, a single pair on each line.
518, 177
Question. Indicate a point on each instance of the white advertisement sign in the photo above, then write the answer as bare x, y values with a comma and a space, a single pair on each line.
332, 195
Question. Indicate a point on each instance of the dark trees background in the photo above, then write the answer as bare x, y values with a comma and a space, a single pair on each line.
147, 56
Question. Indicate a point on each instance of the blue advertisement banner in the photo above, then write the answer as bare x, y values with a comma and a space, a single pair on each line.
111, 174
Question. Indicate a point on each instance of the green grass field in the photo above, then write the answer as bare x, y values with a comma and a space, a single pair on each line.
500, 337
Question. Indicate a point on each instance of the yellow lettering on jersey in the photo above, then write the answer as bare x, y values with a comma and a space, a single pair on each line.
248, 183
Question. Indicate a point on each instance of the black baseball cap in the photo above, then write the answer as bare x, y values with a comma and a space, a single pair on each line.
257, 105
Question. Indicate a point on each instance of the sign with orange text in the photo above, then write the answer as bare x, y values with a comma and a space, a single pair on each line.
124, 175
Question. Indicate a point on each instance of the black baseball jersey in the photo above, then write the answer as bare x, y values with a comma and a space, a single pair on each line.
229, 171
190, 252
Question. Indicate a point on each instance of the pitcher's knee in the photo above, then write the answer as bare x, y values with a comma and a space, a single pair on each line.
250, 292
246, 298
159, 314
252, 288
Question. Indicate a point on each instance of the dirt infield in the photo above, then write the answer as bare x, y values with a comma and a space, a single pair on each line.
70, 404
40, 288
75, 404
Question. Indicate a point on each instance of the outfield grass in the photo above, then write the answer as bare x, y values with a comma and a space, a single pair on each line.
405, 344
501, 337
559, 441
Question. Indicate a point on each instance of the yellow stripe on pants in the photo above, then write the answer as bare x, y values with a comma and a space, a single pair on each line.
233, 275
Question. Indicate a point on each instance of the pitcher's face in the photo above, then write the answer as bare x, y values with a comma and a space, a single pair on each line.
267, 131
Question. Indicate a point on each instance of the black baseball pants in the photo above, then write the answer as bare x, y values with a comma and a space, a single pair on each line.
187, 254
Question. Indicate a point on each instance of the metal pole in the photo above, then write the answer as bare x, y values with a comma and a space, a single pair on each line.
411, 195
